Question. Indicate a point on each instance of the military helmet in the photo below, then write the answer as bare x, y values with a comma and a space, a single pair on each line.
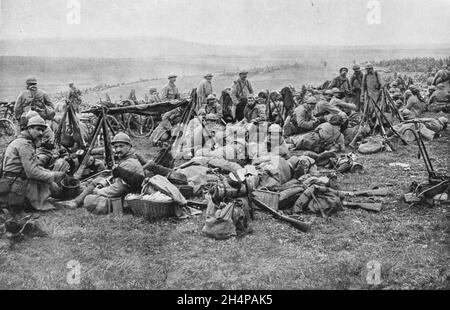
242, 72
36, 121
208, 74
172, 75
343, 68
432, 87
212, 117
336, 90
328, 92
311, 100
356, 67
210, 97
121, 137
368, 66
31, 81
440, 86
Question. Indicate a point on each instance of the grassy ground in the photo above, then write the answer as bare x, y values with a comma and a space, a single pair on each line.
411, 244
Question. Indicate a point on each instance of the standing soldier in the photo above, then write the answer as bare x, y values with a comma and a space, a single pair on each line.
356, 83
75, 97
170, 91
342, 83
203, 91
34, 99
242, 88
371, 86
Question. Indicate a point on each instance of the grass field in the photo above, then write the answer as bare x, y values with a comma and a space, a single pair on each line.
126, 252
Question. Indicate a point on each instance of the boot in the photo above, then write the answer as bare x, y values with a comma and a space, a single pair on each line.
78, 201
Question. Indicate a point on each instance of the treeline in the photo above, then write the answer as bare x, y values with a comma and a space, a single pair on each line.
424, 64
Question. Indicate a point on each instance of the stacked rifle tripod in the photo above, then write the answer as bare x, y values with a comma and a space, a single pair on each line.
374, 115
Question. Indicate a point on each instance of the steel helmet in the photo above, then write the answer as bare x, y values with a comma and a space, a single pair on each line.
211, 97
369, 66
172, 75
121, 137
342, 69
328, 92
212, 117
356, 67
336, 90
31, 81
440, 86
208, 74
36, 121
311, 100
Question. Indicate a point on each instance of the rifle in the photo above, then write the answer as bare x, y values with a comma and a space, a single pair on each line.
358, 134
302, 226
372, 192
389, 123
376, 207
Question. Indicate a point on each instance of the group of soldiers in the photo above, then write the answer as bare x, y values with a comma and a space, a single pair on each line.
318, 121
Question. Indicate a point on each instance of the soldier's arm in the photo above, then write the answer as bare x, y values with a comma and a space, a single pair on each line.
250, 88
233, 94
18, 107
332, 84
31, 166
219, 111
178, 95
346, 105
164, 94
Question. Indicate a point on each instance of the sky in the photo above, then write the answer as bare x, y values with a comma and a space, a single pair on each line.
233, 22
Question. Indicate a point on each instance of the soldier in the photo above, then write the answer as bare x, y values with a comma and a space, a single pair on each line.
75, 97
154, 97
342, 83
371, 86
204, 90
30, 184
170, 91
34, 99
326, 107
413, 107
341, 104
441, 76
356, 83
213, 107
167, 127
440, 95
241, 89
127, 160
302, 119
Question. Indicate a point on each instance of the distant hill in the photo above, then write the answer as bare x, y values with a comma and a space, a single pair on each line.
110, 48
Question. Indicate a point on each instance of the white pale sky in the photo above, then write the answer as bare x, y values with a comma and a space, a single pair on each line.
235, 22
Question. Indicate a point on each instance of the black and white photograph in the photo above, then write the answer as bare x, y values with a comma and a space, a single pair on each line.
224, 149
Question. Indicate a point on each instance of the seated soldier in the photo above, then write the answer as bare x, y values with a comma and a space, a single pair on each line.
326, 137
30, 182
302, 119
213, 107
168, 126
117, 188
251, 111
337, 101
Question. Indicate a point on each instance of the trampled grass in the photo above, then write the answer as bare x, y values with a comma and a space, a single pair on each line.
126, 252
